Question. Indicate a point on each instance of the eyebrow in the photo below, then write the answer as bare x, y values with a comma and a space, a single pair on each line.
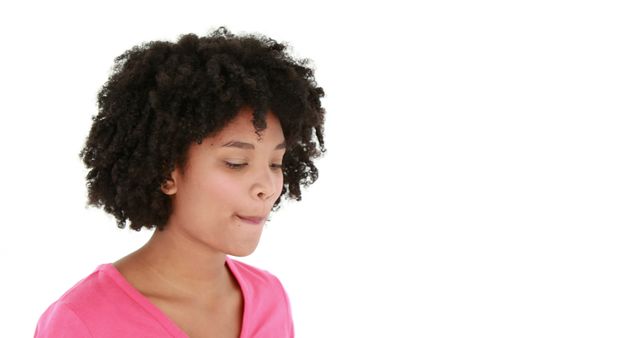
244, 145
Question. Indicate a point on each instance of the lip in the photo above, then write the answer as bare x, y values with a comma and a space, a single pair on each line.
251, 219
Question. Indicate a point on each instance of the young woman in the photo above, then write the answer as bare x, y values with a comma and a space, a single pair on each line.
199, 140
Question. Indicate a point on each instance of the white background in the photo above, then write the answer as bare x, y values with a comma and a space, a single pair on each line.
481, 180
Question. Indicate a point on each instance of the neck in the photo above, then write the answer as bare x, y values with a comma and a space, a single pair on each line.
180, 268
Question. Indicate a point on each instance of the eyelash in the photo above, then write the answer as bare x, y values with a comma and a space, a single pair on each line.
239, 166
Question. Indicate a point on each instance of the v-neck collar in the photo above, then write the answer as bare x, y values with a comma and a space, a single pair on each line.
160, 316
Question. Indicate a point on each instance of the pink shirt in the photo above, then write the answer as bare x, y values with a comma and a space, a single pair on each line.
104, 304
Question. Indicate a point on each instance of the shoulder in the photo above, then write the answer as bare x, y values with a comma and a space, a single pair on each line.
265, 295
250, 272
64, 315
256, 279
59, 320
89, 291
88, 309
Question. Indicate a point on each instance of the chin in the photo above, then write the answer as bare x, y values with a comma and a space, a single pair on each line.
242, 252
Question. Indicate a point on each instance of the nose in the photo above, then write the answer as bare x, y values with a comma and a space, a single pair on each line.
265, 185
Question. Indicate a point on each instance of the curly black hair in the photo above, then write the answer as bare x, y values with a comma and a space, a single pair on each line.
162, 96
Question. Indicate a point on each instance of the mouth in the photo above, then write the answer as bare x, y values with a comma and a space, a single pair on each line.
255, 220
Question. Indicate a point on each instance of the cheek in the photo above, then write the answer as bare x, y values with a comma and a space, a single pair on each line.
224, 189
279, 189
280, 183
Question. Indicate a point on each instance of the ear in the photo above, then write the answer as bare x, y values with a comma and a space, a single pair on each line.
170, 186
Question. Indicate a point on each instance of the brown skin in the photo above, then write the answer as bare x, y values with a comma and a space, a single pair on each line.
182, 269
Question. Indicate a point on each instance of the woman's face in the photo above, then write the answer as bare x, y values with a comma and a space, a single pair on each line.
228, 178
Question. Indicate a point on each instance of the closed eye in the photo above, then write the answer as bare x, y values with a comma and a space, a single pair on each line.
235, 165
240, 165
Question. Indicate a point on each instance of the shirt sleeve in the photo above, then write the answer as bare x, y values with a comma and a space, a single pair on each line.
61, 321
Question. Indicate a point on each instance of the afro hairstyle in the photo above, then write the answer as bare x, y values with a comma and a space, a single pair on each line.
161, 97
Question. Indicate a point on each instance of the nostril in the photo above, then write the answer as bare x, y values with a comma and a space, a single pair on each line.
265, 197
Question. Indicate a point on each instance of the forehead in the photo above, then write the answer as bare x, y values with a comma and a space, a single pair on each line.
241, 128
